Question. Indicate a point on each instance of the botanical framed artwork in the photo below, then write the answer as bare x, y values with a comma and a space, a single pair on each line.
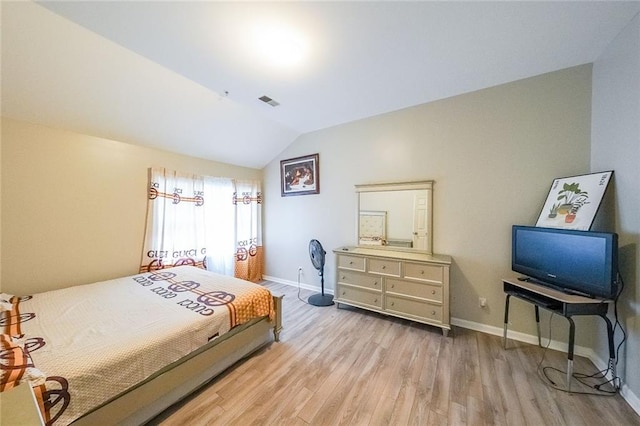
572, 202
300, 175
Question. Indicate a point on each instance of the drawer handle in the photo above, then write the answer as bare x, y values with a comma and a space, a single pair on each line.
375, 301
375, 283
343, 277
433, 313
384, 267
351, 263
344, 292
422, 272
393, 286
393, 303
433, 292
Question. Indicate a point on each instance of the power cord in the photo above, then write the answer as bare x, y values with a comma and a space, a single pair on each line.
542, 372
617, 323
615, 382
299, 298
544, 353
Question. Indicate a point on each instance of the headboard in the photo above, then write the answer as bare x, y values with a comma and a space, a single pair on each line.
373, 227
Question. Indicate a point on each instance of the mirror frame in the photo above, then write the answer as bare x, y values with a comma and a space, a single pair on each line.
426, 185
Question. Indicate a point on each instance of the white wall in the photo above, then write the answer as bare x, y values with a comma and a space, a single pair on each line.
616, 145
492, 154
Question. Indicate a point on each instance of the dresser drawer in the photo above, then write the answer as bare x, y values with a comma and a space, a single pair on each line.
412, 288
360, 296
420, 271
384, 267
362, 280
414, 308
351, 262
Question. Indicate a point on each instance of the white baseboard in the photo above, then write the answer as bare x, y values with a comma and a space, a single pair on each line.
631, 398
295, 284
628, 395
521, 337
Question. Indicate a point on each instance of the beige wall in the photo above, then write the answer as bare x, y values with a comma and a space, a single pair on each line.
0, 206
492, 154
74, 206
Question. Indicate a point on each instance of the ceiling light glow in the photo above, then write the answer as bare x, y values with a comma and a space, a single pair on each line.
280, 46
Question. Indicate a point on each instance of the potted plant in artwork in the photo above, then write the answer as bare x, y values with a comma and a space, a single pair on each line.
553, 211
577, 204
568, 195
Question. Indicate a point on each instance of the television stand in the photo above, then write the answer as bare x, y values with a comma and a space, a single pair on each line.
567, 305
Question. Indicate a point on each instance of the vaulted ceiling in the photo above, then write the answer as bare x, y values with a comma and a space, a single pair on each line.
187, 76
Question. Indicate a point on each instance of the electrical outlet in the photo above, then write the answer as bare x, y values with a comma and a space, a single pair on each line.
482, 301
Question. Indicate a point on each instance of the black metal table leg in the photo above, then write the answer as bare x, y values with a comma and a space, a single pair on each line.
538, 324
506, 321
572, 336
561, 304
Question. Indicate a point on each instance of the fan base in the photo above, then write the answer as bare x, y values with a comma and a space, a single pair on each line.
321, 300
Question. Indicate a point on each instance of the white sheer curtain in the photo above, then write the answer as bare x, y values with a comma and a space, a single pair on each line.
203, 221
176, 215
220, 229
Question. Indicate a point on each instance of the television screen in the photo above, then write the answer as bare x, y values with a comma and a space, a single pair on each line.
580, 262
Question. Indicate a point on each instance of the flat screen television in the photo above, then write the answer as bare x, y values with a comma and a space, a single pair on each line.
578, 262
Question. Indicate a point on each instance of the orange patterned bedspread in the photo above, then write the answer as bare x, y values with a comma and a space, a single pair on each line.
81, 346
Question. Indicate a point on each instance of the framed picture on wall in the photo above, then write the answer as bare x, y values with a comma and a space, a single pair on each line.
572, 202
300, 175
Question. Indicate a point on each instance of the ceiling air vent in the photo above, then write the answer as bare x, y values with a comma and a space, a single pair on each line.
269, 101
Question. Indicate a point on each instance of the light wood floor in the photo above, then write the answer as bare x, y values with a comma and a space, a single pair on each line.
348, 366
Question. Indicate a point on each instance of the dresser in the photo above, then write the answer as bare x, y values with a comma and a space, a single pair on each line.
404, 284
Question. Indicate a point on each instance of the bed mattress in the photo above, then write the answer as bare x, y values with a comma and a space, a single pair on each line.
83, 345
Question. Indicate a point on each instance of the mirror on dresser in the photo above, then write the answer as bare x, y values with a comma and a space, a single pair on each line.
396, 216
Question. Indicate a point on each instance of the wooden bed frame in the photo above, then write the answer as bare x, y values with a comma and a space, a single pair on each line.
148, 399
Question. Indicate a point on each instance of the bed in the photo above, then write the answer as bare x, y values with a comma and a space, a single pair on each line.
123, 350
